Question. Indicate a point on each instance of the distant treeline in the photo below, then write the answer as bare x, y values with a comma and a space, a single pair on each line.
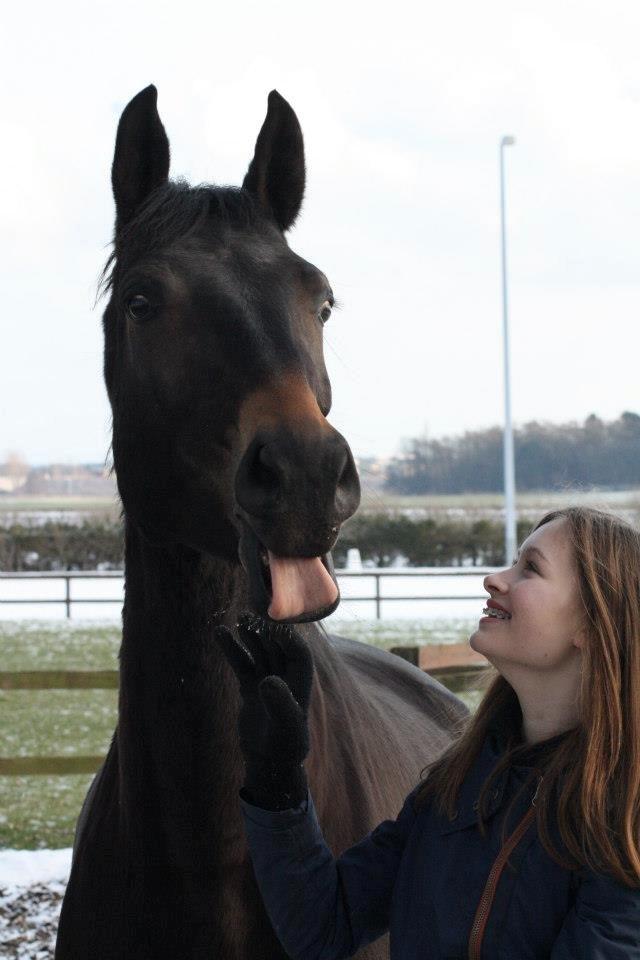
547, 457
381, 538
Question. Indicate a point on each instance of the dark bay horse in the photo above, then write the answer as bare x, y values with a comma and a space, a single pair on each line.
233, 489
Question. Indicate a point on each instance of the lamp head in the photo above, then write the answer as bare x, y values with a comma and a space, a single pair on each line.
507, 141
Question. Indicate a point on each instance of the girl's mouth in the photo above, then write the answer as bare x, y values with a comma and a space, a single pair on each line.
490, 613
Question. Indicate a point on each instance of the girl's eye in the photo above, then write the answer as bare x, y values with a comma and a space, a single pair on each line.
325, 312
138, 307
530, 566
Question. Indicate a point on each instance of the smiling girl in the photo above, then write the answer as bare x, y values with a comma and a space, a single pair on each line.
523, 839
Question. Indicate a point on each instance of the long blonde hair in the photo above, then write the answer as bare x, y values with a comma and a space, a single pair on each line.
592, 776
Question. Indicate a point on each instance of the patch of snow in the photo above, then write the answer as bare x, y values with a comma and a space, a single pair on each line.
29, 921
32, 884
21, 868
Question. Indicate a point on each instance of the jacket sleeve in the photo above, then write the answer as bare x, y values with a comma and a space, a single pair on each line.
323, 908
603, 924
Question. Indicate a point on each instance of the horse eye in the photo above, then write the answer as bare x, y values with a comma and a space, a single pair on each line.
325, 313
138, 307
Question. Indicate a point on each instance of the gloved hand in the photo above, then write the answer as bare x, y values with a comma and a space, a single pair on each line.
274, 667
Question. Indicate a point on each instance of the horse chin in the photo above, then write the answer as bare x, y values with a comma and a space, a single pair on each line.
255, 559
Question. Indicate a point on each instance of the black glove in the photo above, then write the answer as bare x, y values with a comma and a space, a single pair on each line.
275, 670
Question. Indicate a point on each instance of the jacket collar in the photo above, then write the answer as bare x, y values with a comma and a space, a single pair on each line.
495, 744
528, 756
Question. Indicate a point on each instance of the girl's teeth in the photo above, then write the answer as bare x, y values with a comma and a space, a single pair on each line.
496, 614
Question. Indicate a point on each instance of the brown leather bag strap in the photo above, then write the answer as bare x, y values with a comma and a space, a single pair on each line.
489, 892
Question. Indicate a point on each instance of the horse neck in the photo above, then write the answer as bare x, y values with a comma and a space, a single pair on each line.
175, 595
179, 700
174, 680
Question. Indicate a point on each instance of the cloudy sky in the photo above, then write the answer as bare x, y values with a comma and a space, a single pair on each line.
402, 106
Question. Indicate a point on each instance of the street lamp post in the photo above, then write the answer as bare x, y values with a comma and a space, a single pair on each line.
510, 541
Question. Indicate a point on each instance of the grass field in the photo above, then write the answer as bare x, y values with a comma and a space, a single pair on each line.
40, 811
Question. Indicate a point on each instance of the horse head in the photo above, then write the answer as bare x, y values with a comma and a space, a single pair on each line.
214, 367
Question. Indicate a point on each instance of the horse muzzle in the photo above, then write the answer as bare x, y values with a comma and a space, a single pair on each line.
293, 492
287, 589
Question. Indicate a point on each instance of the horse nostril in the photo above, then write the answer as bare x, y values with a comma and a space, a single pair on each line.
347, 472
267, 470
344, 469
259, 481
311, 477
347, 496
262, 471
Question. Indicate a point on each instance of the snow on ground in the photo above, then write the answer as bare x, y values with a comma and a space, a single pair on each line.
25, 867
32, 884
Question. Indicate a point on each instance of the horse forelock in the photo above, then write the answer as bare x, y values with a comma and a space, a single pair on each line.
174, 211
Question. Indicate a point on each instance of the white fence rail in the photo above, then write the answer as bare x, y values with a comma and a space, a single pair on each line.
370, 590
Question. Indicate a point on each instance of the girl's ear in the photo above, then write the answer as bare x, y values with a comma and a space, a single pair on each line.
579, 639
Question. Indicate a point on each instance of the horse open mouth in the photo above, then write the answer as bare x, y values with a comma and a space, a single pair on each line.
287, 589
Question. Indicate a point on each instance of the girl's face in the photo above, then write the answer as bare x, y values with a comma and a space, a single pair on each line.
540, 601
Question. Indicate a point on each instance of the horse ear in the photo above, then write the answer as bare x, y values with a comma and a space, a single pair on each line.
141, 159
276, 174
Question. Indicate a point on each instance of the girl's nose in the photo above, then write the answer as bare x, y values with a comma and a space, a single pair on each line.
496, 582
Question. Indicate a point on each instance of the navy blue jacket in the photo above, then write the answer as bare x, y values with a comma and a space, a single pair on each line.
421, 877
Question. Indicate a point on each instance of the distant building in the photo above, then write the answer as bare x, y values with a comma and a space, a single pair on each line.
70, 480
10, 484
13, 473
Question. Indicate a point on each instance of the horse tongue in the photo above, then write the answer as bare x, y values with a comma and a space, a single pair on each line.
299, 585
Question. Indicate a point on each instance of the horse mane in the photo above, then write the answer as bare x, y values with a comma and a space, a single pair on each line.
173, 210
